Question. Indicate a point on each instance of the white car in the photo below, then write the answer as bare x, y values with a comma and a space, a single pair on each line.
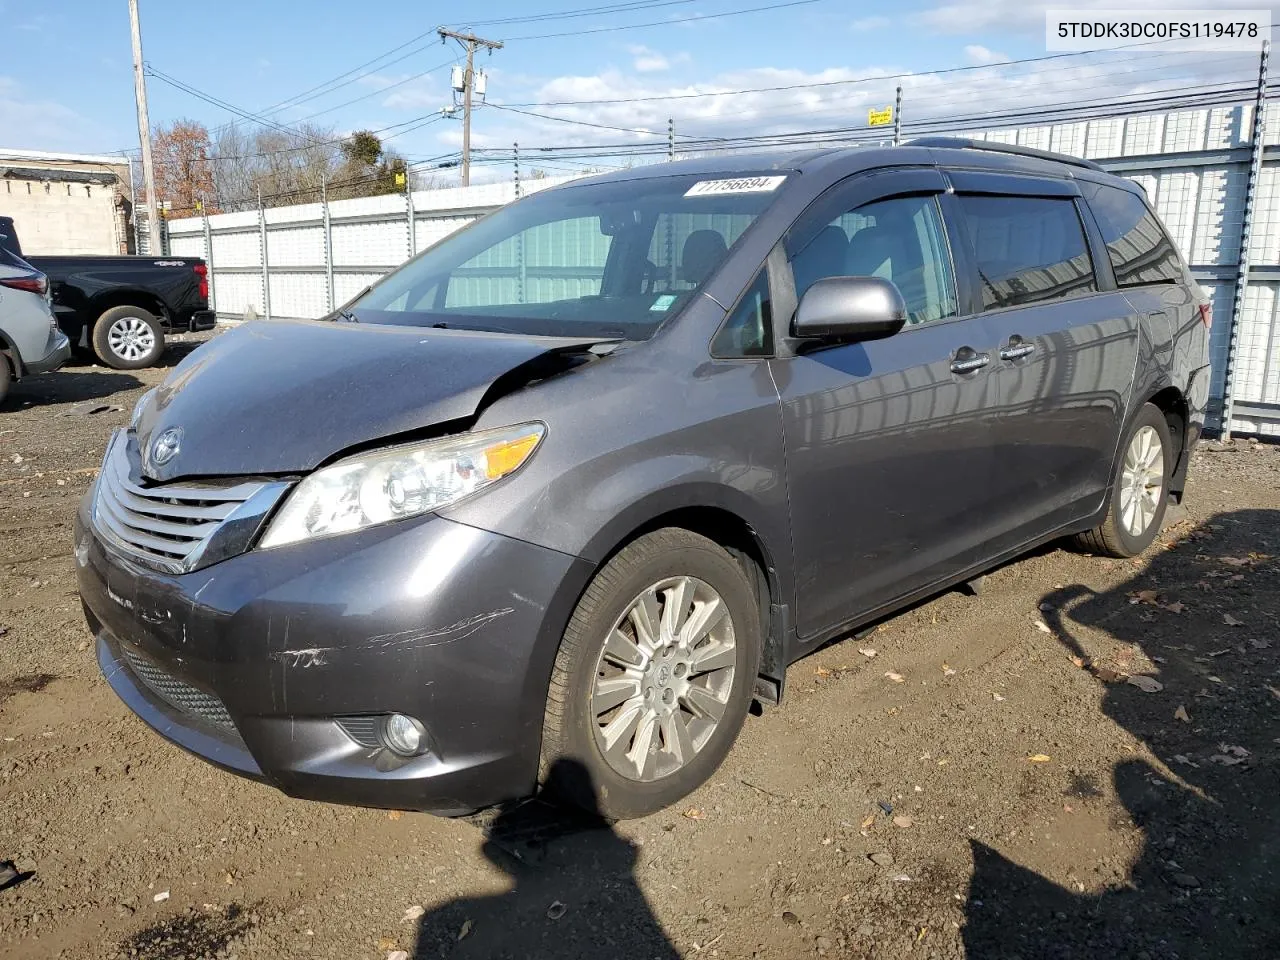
30, 341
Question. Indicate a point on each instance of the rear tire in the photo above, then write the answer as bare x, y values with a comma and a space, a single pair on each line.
128, 338
1139, 490
653, 678
6, 377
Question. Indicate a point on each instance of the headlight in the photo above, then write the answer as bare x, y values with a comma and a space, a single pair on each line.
407, 481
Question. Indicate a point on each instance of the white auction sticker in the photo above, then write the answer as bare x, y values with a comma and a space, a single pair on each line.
704, 188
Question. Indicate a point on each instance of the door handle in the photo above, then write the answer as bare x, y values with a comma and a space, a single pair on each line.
1017, 348
967, 360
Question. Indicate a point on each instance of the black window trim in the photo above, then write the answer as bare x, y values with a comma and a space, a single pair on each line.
766, 269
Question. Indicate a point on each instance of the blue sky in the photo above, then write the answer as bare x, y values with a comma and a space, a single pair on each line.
66, 80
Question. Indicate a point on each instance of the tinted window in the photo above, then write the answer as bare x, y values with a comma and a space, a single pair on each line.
1140, 250
749, 330
900, 239
1028, 249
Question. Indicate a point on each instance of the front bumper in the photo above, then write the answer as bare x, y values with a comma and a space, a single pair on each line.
447, 623
58, 352
203, 320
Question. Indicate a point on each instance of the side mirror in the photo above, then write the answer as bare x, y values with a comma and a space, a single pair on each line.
850, 308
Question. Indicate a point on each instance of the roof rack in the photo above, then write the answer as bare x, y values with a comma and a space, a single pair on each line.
964, 143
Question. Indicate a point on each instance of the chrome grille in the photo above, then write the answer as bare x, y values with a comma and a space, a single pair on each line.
178, 693
170, 527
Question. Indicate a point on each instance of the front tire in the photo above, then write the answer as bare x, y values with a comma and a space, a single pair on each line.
1139, 492
6, 377
128, 338
653, 678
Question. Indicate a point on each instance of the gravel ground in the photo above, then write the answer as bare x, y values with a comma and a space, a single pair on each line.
1013, 795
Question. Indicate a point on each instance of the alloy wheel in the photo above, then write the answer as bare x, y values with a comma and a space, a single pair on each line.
664, 678
1141, 481
131, 338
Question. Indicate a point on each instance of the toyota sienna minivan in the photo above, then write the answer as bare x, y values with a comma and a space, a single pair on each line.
580, 481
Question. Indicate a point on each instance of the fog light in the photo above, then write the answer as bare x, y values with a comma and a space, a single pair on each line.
404, 735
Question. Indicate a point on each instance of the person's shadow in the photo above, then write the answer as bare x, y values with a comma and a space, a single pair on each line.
1206, 882
574, 894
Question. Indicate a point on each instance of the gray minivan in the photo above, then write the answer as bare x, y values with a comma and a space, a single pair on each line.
580, 481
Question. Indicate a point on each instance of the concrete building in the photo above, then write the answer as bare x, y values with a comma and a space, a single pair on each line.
67, 202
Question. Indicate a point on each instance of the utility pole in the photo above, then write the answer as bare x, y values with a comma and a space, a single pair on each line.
671, 139
470, 41
897, 119
144, 134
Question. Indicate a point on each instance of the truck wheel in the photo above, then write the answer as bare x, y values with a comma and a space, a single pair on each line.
128, 338
1140, 491
653, 678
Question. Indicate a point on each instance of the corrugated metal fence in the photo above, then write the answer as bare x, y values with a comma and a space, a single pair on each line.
1194, 165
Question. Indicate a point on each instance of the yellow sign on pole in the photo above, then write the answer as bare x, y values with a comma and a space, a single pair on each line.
400, 179
880, 118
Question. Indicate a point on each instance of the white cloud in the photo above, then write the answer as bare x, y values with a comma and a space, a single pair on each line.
36, 124
866, 24
977, 53
647, 60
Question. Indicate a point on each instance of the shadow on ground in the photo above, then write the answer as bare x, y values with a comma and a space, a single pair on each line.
68, 385
574, 893
1207, 880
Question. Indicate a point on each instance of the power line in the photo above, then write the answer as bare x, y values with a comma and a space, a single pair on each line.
665, 23
582, 12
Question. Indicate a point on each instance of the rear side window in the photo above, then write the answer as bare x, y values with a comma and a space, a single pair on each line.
1140, 251
1028, 249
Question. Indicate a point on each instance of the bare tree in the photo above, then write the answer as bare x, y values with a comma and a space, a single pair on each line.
290, 166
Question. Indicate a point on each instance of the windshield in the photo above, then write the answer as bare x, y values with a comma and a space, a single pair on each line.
597, 260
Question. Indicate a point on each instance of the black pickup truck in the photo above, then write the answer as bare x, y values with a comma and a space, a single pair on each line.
120, 307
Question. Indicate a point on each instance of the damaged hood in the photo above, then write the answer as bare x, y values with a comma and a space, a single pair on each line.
283, 396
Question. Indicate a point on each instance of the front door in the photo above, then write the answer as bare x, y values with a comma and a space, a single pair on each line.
886, 441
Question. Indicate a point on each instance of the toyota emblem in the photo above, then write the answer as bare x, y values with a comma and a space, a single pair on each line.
166, 446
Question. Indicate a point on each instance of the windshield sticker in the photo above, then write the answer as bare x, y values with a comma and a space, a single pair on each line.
663, 303
706, 188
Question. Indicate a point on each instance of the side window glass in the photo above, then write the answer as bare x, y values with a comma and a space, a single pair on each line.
1028, 249
1139, 249
900, 239
748, 331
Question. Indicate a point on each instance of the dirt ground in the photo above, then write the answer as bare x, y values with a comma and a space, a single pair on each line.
978, 777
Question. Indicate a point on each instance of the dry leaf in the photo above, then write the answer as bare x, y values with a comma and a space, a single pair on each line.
386, 943
414, 912
903, 822
466, 928
997, 698
867, 652
1260, 644
693, 813
1039, 758
1275, 692
1145, 683
822, 672
394, 814
1150, 597
1042, 626
1176, 607
1235, 561
398, 955
1234, 751
1231, 621
1181, 714
895, 677
868, 820
1080, 662
947, 671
